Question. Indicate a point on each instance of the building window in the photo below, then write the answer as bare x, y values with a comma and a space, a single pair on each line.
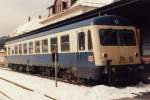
45, 46
37, 46
90, 46
54, 45
64, 5
73, 1
31, 47
16, 49
81, 39
20, 48
65, 45
25, 48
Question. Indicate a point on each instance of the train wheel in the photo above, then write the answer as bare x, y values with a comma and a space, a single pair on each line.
20, 69
27, 69
48, 72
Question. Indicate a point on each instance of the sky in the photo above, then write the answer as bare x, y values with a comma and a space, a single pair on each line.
14, 13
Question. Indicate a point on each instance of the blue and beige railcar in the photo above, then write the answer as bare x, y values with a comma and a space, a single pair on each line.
88, 49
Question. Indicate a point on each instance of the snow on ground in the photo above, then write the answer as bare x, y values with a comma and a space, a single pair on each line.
2, 97
17, 93
66, 91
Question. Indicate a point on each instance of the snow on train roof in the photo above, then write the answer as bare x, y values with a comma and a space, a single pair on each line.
29, 26
93, 3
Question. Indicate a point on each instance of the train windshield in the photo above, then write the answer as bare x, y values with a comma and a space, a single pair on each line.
114, 37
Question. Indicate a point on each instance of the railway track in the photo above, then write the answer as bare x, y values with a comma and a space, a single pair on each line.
16, 84
5, 68
23, 87
4, 94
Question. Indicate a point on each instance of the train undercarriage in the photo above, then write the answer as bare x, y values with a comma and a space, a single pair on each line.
112, 76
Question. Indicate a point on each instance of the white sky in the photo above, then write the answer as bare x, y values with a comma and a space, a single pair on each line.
15, 12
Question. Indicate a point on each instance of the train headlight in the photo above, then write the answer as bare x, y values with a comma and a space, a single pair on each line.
105, 55
113, 69
136, 54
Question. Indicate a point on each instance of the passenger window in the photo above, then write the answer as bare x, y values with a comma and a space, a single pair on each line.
9, 51
31, 47
37, 46
25, 48
90, 46
54, 45
16, 49
20, 48
12, 50
65, 45
81, 39
45, 46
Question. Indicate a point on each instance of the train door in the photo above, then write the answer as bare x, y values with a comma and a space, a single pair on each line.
80, 52
54, 49
85, 53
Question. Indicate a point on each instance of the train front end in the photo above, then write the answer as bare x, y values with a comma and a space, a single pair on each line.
116, 48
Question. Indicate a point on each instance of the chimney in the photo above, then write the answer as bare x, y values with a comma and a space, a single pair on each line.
69, 3
29, 19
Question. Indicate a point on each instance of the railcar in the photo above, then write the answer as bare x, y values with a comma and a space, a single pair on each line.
88, 49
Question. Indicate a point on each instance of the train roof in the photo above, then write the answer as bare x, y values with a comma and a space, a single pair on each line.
112, 20
76, 23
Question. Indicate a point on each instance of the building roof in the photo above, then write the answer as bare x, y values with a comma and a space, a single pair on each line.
93, 3
29, 26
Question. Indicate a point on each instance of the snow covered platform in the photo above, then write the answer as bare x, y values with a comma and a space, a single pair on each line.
17, 86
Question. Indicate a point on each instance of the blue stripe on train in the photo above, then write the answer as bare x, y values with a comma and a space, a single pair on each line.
65, 59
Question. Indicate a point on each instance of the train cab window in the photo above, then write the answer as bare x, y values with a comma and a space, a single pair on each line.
31, 47
65, 44
16, 49
54, 44
90, 46
45, 46
115, 37
127, 38
81, 39
20, 48
37, 46
25, 48
108, 37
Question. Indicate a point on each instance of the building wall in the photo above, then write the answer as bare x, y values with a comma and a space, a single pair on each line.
67, 14
2, 58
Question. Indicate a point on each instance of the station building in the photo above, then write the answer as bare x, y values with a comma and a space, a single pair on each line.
60, 10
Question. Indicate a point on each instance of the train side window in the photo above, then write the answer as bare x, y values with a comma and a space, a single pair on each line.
65, 44
12, 50
25, 48
9, 51
16, 49
54, 44
45, 46
20, 48
31, 47
37, 46
90, 46
81, 39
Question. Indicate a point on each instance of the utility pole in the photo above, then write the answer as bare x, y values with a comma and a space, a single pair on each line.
56, 69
